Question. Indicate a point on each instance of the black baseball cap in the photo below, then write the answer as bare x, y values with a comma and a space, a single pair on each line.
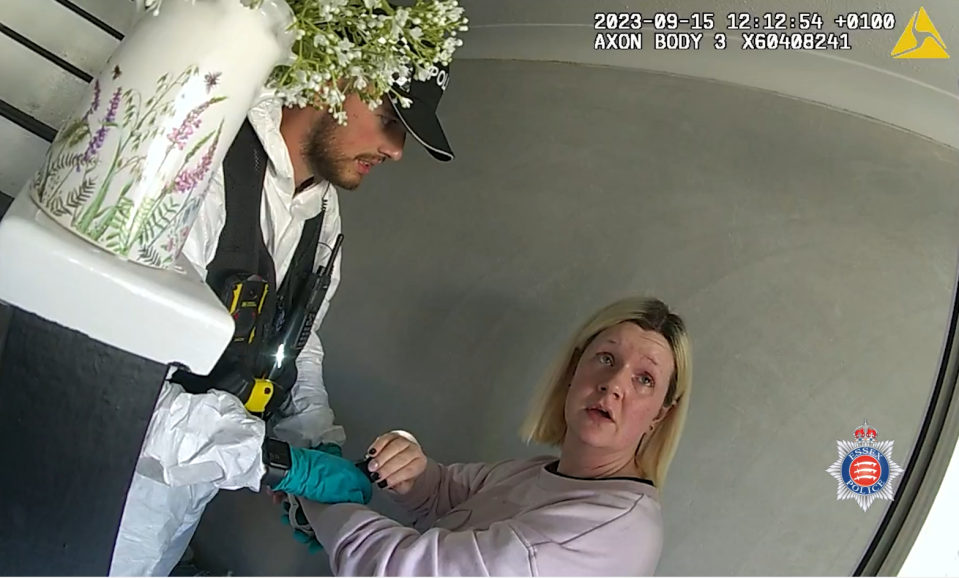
420, 118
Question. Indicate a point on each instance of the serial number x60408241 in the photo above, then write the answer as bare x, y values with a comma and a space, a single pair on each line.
796, 41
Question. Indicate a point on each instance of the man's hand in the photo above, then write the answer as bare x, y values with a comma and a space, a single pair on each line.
397, 461
324, 477
278, 497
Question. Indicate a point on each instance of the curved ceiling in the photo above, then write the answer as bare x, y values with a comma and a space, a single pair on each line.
917, 95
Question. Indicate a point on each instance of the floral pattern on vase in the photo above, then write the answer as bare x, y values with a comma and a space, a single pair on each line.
94, 175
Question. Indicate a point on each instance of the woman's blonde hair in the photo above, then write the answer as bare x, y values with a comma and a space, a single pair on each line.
546, 422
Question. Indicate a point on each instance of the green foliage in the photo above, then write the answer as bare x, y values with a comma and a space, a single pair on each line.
159, 217
81, 194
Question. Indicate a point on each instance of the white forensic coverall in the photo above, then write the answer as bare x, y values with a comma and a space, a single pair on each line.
198, 444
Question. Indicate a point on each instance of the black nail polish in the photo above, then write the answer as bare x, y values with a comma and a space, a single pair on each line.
372, 451
363, 465
382, 484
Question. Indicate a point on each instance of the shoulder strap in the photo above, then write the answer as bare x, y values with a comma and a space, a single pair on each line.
301, 266
241, 249
292, 292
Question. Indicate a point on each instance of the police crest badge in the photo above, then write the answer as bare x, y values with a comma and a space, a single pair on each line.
865, 470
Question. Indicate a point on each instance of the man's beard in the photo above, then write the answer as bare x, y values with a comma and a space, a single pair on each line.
324, 159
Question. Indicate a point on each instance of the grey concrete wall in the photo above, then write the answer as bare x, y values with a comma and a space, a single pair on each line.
811, 252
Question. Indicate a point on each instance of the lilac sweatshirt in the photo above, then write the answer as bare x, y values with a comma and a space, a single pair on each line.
511, 518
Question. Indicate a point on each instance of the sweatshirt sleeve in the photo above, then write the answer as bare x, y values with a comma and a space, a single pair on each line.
440, 488
605, 540
361, 542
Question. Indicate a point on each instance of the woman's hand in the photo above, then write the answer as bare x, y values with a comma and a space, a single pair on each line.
397, 461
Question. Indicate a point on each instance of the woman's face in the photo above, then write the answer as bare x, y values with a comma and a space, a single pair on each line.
618, 388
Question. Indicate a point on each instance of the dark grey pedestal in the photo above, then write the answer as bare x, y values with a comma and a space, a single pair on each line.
73, 415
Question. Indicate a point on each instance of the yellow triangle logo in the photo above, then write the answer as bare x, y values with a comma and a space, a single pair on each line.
920, 39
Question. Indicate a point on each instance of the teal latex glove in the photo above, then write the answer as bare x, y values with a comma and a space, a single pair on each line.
325, 477
330, 449
321, 475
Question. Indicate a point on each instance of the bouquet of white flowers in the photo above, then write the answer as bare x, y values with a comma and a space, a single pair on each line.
362, 46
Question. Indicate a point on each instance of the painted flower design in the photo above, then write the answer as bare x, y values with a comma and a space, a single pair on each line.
93, 178
96, 143
179, 136
188, 179
111, 115
95, 103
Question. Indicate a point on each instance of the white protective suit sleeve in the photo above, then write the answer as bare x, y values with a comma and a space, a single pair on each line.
195, 445
199, 443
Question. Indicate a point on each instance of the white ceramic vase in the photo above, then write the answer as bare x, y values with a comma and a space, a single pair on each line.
129, 168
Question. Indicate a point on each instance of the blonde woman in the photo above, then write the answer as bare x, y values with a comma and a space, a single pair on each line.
614, 405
